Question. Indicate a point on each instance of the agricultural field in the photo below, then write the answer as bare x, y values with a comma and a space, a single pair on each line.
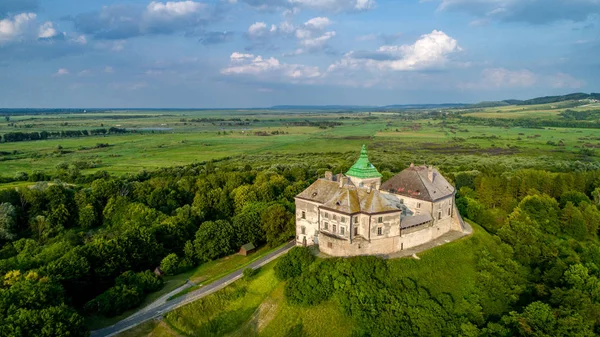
155, 139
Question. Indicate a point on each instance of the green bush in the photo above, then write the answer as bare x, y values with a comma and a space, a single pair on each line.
249, 273
293, 263
170, 264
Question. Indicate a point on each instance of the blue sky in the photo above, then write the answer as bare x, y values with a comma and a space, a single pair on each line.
255, 53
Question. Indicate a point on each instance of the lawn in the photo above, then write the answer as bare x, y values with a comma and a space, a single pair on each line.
214, 270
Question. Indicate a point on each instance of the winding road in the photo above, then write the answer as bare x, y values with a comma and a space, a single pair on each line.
154, 311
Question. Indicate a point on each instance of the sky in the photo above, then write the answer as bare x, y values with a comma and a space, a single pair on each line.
259, 53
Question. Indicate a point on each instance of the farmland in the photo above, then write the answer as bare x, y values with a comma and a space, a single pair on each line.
156, 139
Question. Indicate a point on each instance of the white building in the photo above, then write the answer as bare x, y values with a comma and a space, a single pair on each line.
355, 214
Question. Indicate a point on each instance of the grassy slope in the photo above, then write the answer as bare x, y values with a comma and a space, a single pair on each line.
262, 310
205, 273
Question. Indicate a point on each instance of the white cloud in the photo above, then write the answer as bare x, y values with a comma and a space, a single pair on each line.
14, 27
430, 51
109, 70
174, 9
269, 69
496, 78
562, 80
501, 77
318, 23
47, 31
311, 35
62, 72
239, 57
334, 5
257, 29
81, 39
531, 11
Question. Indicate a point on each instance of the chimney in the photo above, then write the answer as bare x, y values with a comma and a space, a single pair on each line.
329, 176
342, 181
430, 173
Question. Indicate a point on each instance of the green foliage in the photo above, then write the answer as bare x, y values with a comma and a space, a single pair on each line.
170, 264
214, 239
31, 305
8, 222
249, 273
292, 264
278, 224
128, 292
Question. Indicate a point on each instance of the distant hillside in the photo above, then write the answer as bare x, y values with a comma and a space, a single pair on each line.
368, 108
539, 100
555, 99
322, 107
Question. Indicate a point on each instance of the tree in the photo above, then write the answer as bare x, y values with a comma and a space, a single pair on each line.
214, 240
278, 224
87, 216
544, 210
248, 225
292, 264
41, 228
170, 264
8, 222
573, 222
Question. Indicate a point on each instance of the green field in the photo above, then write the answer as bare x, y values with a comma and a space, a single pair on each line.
186, 142
258, 308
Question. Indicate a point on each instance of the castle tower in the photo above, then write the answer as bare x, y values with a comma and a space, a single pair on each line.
363, 174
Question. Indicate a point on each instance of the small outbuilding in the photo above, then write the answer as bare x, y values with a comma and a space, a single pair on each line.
247, 249
158, 272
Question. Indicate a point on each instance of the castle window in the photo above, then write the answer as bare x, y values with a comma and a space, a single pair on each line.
326, 215
303, 230
333, 229
355, 219
303, 215
343, 219
355, 231
448, 211
342, 230
380, 219
418, 205
326, 226
379, 231
440, 216
329, 245
334, 217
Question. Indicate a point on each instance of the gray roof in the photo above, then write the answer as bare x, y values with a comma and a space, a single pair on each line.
349, 199
411, 221
414, 183
248, 246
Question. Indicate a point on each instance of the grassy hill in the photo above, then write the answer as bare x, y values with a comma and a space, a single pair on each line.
257, 307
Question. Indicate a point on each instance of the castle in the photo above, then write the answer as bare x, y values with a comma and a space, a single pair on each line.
355, 214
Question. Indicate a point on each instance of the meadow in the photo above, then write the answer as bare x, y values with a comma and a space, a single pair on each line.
157, 139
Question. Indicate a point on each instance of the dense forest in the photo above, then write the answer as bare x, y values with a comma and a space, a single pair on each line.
87, 245
541, 278
88, 249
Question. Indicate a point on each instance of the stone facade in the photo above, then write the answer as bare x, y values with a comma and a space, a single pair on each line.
349, 215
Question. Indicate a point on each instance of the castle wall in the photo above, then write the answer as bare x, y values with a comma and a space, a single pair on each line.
386, 244
307, 226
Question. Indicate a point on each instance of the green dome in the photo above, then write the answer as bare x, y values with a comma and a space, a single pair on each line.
363, 169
